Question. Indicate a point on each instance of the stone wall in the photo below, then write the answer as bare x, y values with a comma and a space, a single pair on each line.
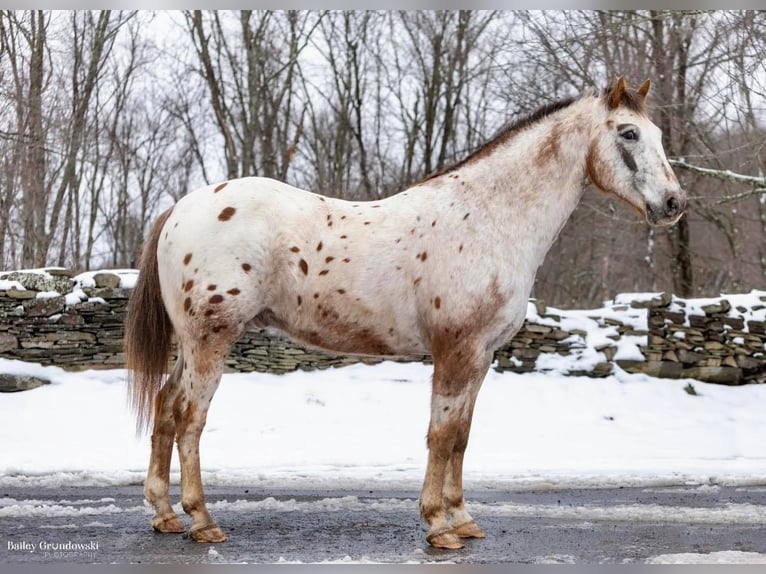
52, 317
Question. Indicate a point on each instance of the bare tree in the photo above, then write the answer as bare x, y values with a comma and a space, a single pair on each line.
251, 72
436, 57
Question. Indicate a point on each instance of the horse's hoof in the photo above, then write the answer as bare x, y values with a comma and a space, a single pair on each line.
210, 533
469, 530
169, 524
447, 539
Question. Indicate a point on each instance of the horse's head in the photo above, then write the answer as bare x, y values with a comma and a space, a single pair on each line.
626, 157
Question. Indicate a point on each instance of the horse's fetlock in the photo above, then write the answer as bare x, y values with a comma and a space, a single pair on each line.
154, 490
192, 504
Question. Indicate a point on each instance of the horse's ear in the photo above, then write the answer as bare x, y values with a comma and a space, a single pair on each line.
617, 92
644, 88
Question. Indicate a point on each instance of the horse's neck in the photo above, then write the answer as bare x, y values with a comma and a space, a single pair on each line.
534, 180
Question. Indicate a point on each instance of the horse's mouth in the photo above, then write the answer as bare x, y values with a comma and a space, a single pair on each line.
668, 212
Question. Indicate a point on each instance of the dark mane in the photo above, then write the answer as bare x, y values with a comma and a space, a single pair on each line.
505, 133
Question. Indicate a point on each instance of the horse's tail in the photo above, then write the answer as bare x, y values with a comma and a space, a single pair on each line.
148, 333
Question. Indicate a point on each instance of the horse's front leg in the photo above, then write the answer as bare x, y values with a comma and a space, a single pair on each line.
462, 523
457, 379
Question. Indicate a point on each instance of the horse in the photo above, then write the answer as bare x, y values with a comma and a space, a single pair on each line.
443, 268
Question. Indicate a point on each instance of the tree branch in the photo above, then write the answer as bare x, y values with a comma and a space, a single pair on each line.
758, 183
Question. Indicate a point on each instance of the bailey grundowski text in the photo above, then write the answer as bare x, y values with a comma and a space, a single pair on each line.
44, 546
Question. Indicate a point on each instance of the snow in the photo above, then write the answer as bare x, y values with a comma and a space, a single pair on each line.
722, 557
128, 277
366, 423
7, 285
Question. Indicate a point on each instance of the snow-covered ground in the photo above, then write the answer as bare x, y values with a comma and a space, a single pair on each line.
366, 423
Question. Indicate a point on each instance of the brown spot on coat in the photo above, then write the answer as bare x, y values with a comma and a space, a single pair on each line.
549, 148
188, 285
466, 216
304, 266
246, 267
220, 187
300, 300
212, 287
234, 291
324, 272
422, 256
346, 260
226, 214
438, 302
295, 249
216, 299
187, 304
328, 258
187, 258
342, 291
319, 246
416, 282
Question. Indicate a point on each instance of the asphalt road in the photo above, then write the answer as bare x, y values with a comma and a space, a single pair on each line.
590, 526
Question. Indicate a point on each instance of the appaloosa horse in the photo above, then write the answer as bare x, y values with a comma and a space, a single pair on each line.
444, 268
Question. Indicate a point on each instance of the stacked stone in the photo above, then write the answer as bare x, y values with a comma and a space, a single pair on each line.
44, 329
535, 339
521, 353
720, 345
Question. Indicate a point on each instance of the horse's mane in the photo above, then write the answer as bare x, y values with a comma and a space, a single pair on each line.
506, 132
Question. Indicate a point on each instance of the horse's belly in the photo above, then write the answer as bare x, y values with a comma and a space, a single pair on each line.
339, 329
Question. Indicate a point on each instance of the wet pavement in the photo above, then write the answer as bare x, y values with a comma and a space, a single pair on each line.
584, 526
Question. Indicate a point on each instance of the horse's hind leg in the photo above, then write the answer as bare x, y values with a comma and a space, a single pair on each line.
458, 374
158, 475
199, 380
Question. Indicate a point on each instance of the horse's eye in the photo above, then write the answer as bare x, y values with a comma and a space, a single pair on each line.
630, 135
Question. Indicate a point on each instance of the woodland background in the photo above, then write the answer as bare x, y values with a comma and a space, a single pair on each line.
107, 118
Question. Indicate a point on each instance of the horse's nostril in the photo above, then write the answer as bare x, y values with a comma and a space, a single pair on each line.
672, 205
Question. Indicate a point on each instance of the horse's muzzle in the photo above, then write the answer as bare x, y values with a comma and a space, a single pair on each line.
668, 211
